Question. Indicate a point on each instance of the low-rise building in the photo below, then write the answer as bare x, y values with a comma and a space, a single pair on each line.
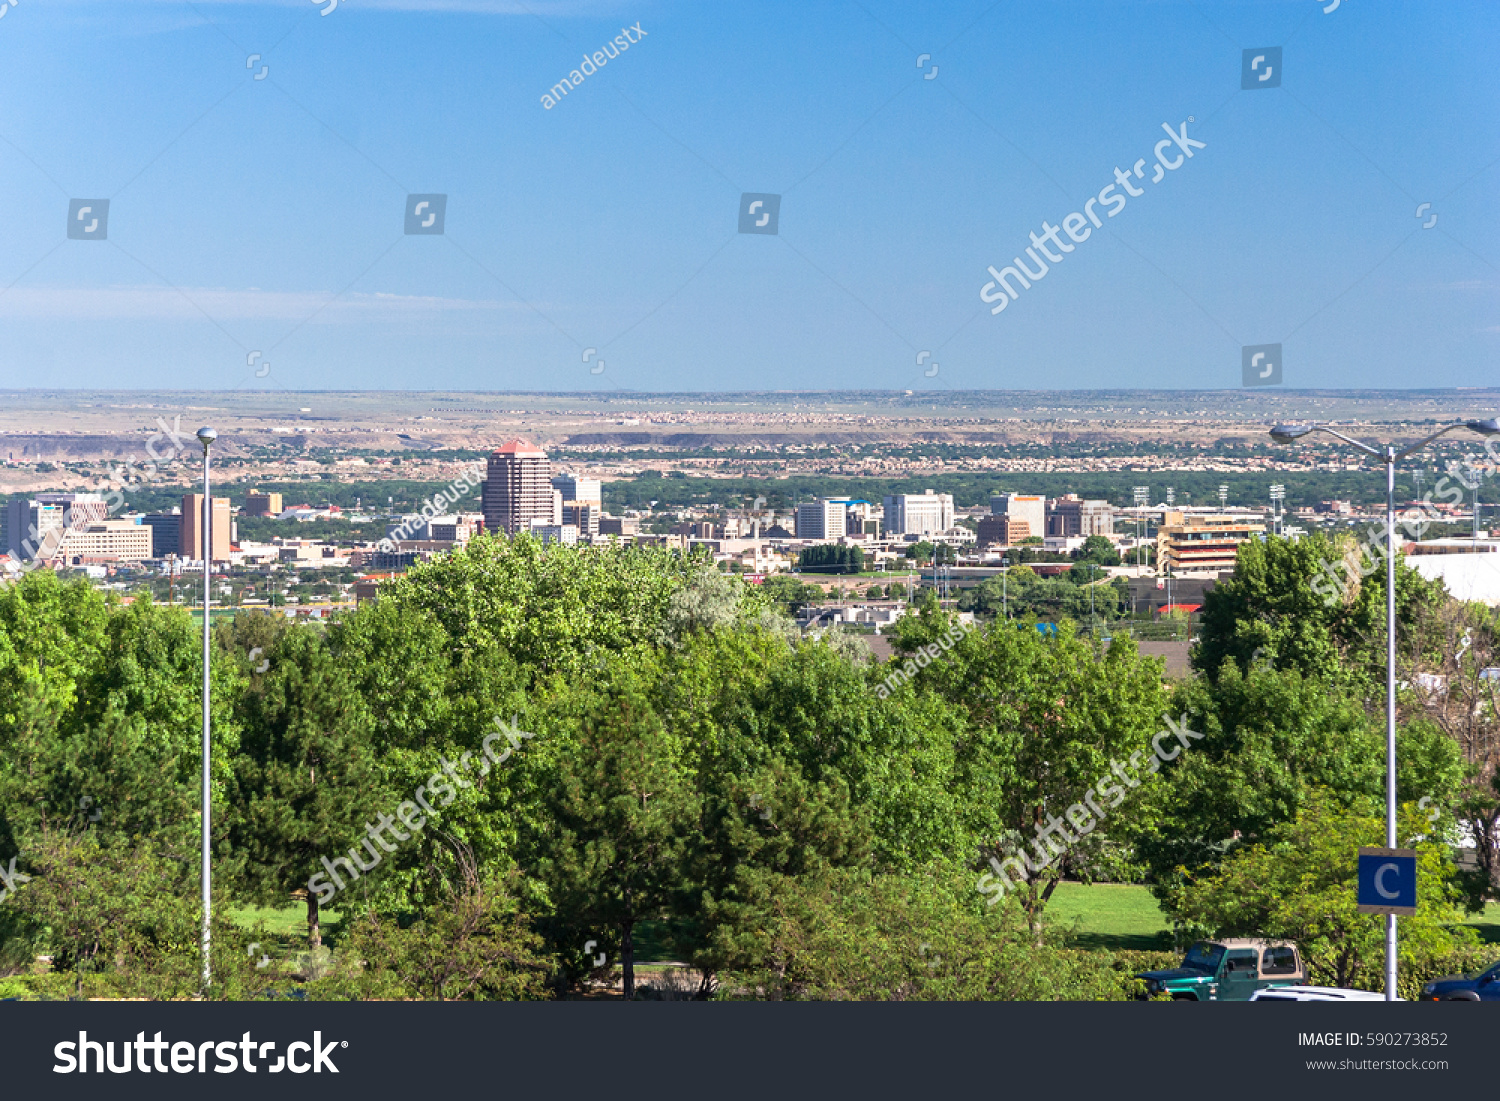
125, 540
1203, 543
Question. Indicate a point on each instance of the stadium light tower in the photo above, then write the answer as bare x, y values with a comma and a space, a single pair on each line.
1387, 454
1142, 499
1278, 494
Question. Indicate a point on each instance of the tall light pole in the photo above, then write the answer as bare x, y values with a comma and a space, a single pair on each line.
1387, 454
1278, 494
1223, 496
206, 437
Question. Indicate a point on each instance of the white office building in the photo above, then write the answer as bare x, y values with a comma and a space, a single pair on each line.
821, 520
918, 513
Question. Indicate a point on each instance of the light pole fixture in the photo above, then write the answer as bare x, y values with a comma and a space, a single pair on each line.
206, 437
1278, 495
1387, 454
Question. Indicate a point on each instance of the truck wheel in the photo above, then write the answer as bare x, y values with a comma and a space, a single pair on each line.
1183, 998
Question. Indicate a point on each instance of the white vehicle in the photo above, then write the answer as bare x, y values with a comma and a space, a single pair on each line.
1316, 994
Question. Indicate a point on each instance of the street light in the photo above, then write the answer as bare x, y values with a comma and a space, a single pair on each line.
1387, 454
206, 437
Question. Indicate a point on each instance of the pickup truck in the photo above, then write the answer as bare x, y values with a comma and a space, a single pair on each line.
1228, 970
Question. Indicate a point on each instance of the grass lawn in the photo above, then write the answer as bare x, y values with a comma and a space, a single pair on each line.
1109, 915
1487, 923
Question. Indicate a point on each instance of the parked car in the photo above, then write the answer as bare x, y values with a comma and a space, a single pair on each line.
1482, 986
1228, 970
1317, 994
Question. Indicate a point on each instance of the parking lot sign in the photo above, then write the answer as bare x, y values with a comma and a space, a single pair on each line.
1387, 881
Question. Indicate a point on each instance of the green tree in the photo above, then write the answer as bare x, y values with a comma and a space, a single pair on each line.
1098, 549
1272, 738
1288, 601
1299, 884
305, 778
1051, 724
623, 811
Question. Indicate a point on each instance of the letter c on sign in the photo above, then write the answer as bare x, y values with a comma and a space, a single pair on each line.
1380, 881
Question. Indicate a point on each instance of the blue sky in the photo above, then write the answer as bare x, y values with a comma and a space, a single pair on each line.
267, 215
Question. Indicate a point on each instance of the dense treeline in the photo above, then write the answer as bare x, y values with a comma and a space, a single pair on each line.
525, 761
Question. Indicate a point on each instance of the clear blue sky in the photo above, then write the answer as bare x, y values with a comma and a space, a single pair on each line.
267, 215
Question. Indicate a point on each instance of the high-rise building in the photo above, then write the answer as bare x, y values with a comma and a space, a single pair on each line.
518, 489
263, 504
166, 532
1069, 517
32, 528
926, 513
574, 488
190, 541
822, 520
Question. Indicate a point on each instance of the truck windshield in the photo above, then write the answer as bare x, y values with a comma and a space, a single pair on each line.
1204, 956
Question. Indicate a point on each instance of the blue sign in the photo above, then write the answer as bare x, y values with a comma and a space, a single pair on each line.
1387, 881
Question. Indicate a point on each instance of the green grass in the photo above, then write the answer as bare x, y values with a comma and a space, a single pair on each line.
1487, 924
1109, 915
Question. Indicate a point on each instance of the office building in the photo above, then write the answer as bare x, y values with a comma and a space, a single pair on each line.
623, 526
553, 533
263, 504
918, 513
1027, 508
32, 529
574, 488
166, 532
821, 520
190, 541
1005, 531
78, 508
1069, 516
1202, 543
105, 541
518, 489
862, 518
584, 515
